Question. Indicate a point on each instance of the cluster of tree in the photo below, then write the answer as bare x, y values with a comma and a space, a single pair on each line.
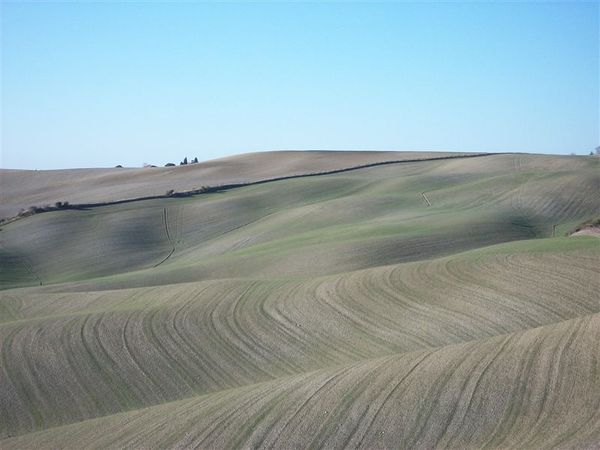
185, 161
200, 190
182, 163
591, 153
40, 209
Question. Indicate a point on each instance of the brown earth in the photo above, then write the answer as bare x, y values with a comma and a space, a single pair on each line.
20, 189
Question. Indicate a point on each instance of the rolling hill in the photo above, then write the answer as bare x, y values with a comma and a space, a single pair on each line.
419, 303
20, 189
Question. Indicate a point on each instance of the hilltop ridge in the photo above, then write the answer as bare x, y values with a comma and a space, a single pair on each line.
20, 189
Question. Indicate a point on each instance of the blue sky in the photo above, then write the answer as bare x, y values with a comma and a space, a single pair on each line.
100, 84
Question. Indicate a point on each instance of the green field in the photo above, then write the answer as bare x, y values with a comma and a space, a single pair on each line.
436, 303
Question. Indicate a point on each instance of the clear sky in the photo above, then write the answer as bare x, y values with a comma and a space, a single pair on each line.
100, 84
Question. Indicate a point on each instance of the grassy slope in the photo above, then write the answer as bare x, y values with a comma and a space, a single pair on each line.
24, 188
453, 345
307, 226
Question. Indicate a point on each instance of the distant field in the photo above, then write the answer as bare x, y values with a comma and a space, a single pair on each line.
20, 189
425, 304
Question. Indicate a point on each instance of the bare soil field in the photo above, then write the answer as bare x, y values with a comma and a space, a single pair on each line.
427, 304
20, 189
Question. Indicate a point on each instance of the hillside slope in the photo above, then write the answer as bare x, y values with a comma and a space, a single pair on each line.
416, 305
306, 226
24, 188
536, 389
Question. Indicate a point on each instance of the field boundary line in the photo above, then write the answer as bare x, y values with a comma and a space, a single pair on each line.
226, 187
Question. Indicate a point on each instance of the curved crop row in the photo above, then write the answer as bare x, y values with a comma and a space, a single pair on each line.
105, 352
538, 388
